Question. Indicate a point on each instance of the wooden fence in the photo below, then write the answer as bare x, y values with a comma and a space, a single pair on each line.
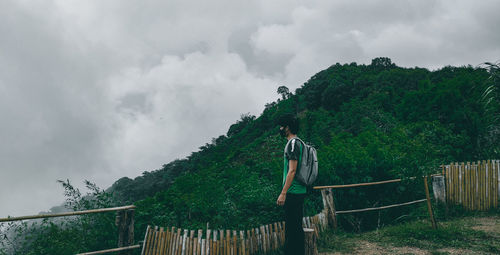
261, 240
331, 212
473, 185
124, 222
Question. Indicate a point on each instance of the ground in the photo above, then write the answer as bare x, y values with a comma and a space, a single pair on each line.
468, 235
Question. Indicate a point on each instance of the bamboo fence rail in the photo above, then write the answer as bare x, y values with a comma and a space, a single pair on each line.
474, 185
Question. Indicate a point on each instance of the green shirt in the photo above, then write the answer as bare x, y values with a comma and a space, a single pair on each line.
293, 151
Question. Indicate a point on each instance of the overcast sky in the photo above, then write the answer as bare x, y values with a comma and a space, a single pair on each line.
101, 89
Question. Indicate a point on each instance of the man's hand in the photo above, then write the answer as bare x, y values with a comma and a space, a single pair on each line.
281, 199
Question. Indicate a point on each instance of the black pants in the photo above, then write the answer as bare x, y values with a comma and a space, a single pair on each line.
294, 234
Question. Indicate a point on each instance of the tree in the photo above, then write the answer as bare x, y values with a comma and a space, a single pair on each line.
382, 63
284, 92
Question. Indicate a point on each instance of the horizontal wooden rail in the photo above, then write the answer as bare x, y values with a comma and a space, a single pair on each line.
362, 184
112, 250
382, 207
355, 185
42, 216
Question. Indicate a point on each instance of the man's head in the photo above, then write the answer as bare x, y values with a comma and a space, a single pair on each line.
288, 124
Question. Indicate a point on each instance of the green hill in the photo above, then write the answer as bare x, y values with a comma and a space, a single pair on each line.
367, 122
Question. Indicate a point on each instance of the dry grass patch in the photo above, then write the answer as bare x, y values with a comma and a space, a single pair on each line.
468, 235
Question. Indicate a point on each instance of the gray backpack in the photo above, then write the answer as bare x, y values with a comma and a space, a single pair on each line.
308, 171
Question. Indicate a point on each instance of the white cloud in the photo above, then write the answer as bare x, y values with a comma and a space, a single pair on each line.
102, 89
188, 99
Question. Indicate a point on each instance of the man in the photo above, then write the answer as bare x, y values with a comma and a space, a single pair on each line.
293, 193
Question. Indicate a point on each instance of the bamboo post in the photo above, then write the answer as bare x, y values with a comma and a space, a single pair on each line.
429, 206
478, 191
474, 186
450, 179
496, 168
268, 239
221, 238
264, 238
258, 240
248, 242
253, 242
195, 246
283, 229
487, 185
173, 241
191, 242
276, 235
456, 182
178, 245
165, 243
477, 183
208, 248
466, 182
470, 186
496, 182
184, 239
160, 241
235, 243
228, 242
460, 193
310, 242
215, 243
168, 240
154, 244
461, 183
448, 184
242, 242
490, 184
146, 237
481, 184
170, 244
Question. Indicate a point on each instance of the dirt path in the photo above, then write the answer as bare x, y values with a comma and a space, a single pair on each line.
489, 225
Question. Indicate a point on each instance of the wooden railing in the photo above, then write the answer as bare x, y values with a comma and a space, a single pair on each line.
265, 238
329, 204
124, 222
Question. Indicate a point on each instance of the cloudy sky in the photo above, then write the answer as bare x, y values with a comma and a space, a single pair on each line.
99, 89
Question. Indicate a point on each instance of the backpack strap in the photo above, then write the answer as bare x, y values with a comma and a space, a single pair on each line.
291, 141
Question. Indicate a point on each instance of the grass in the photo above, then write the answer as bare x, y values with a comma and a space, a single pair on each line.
452, 234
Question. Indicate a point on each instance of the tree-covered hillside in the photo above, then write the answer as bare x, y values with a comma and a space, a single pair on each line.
367, 122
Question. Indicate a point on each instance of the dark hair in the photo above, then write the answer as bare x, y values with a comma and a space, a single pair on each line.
289, 120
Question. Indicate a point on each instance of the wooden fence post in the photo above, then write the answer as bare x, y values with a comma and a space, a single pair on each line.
331, 204
429, 206
125, 223
310, 242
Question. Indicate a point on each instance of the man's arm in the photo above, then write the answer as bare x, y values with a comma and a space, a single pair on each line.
292, 168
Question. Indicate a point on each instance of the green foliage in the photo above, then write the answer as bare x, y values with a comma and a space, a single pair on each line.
68, 235
368, 123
